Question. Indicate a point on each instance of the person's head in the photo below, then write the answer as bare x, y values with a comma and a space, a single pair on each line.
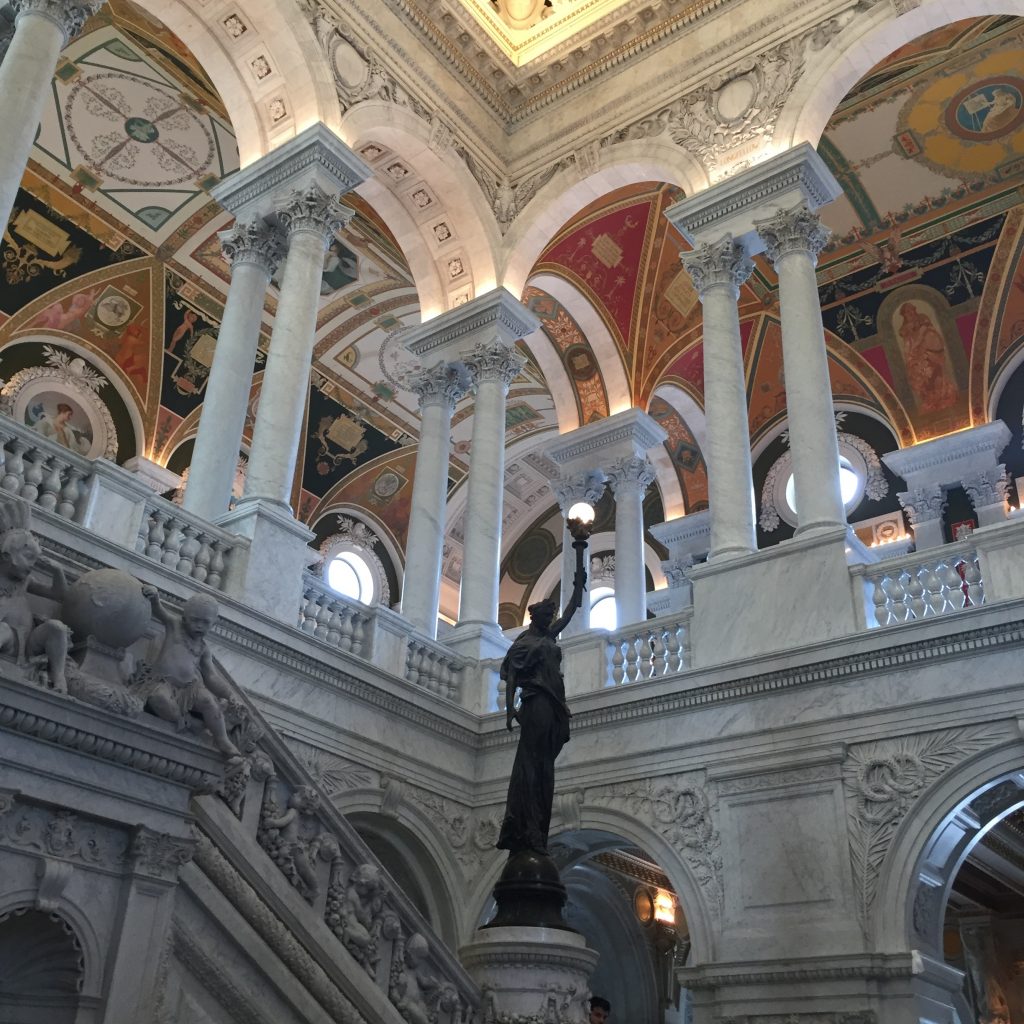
600, 1010
19, 553
64, 412
542, 614
199, 615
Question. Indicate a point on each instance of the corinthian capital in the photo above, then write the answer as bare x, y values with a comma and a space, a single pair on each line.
923, 504
253, 241
789, 231
724, 263
443, 384
494, 362
989, 487
587, 486
313, 211
634, 473
68, 15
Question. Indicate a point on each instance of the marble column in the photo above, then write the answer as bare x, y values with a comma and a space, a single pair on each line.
718, 269
42, 29
493, 367
589, 487
629, 480
252, 249
793, 239
438, 389
310, 217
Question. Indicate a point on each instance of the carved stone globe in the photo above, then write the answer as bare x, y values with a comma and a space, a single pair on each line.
107, 604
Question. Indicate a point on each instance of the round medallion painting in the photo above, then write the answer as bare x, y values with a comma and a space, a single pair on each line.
987, 110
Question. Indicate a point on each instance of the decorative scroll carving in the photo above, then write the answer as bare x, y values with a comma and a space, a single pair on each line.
681, 810
59, 834
883, 781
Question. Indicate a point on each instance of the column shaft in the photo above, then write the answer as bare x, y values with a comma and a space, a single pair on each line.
793, 240
439, 389
42, 30
493, 367
630, 479
718, 270
310, 219
252, 250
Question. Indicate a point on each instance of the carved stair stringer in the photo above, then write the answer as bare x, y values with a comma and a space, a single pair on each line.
300, 877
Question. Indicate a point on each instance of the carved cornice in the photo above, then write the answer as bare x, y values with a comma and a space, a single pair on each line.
987, 440
626, 433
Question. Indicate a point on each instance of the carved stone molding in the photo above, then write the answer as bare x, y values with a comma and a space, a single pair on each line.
883, 780
252, 241
721, 264
682, 811
793, 231
59, 833
70, 18
158, 854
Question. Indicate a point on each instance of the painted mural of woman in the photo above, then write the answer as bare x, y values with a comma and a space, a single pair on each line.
926, 359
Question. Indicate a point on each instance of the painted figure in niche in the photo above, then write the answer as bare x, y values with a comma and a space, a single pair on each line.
924, 352
184, 332
129, 352
57, 426
340, 268
21, 636
183, 680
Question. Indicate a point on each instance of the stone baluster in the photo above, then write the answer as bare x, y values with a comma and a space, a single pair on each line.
309, 217
70, 493
718, 270
217, 564
42, 29
14, 466
589, 487
252, 250
49, 489
629, 479
33, 476
438, 389
201, 568
793, 239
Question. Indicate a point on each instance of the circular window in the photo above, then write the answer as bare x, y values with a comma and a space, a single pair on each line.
851, 486
350, 575
603, 613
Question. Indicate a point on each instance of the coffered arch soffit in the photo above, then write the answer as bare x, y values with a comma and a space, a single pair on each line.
267, 67
431, 201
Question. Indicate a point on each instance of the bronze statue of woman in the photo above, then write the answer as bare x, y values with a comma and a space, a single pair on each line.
532, 669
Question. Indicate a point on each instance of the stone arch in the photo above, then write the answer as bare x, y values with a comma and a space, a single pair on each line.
934, 839
300, 76
625, 830
569, 191
868, 39
413, 849
427, 190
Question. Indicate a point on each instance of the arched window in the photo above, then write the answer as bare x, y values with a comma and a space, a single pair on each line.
351, 566
603, 613
349, 574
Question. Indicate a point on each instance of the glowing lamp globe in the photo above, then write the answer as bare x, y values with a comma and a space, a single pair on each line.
582, 512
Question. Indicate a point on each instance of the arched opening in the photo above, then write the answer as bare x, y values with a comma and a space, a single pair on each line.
42, 968
411, 865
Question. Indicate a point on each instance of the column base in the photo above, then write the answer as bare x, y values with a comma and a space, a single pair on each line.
268, 576
822, 526
724, 554
787, 596
531, 973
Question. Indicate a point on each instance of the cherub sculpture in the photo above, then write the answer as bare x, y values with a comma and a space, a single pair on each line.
293, 851
21, 636
182, 680
415, 985
360, 915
